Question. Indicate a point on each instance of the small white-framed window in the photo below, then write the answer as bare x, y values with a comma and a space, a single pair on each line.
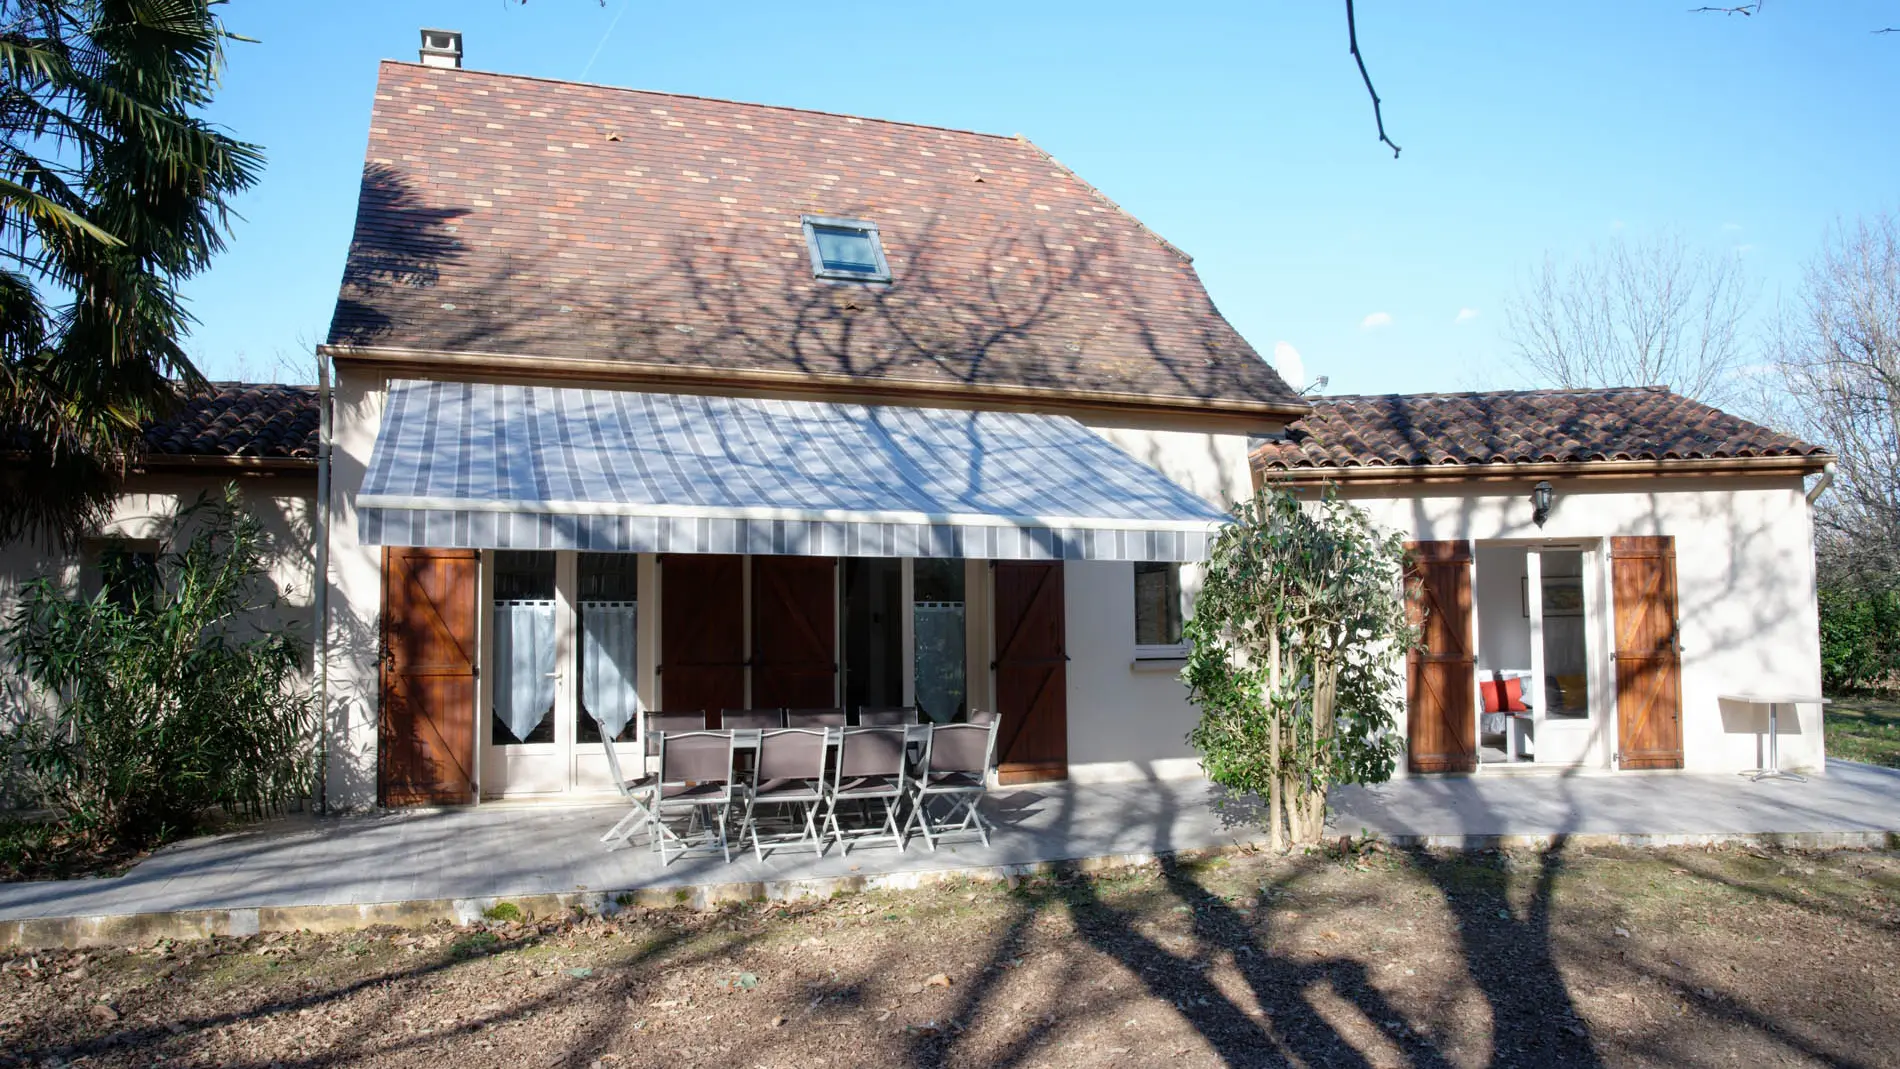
1158, 611
123, 568
845, 249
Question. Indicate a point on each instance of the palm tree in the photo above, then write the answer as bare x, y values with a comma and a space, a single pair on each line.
113, 190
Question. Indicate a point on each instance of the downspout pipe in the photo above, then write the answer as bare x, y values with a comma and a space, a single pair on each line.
1820, 485
322, 598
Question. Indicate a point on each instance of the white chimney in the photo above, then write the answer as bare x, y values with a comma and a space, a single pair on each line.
441, 48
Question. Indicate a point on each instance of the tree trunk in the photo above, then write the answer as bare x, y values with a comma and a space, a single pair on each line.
1308, 803
1276, 792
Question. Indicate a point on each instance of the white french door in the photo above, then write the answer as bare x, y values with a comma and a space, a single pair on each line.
560, 657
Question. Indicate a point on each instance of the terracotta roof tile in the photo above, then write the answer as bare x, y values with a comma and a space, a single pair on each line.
535, 218
235, 419
1518, 427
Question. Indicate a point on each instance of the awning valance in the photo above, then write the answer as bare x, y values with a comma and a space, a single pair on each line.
479, 465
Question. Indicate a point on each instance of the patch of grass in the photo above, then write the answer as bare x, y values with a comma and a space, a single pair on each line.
473, 944
1864, 727
503, 911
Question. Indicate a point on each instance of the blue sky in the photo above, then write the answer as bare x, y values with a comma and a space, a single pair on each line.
1238, 131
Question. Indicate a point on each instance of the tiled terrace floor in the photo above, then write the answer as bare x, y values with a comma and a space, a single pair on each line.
499, 851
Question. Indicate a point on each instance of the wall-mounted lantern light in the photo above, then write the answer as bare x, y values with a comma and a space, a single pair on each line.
1540, 502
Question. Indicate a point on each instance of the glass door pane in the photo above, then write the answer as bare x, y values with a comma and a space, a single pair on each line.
873, 632
1566, 649
524, 649
609, 613
937, 626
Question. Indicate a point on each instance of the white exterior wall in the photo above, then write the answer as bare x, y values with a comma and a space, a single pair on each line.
1125, 720
1130, 719
355, 599
283, 503
1745, 589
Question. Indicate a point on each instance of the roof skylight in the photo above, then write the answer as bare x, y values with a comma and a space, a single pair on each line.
845, 249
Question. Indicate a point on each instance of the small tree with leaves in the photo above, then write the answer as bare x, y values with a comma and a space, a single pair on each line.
1296, 637
172, 693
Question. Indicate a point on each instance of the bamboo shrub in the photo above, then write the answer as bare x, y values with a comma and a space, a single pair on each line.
172, 695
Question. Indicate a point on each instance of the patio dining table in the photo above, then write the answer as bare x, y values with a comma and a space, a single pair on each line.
1771, 769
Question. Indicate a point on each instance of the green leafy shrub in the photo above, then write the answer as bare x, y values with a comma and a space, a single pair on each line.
171, 695
1860, 636
1295, 640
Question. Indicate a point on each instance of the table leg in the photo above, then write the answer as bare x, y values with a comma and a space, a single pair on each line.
1773, 769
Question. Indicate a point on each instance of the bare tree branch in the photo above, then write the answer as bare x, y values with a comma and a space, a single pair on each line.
1839, 354
1352, 41
1644, 313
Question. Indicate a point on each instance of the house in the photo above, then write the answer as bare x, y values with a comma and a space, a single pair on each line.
1624, 561
263, 437
648, 401
640, 401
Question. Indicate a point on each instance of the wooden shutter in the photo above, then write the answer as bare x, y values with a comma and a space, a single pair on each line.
702, 633
794, 632
1441, 674
1032, 679
426, 728
1648, 656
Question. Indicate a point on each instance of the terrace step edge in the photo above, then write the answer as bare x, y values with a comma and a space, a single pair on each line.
130, 929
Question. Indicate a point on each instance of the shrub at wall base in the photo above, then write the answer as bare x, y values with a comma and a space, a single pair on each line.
1296, 637
170, 697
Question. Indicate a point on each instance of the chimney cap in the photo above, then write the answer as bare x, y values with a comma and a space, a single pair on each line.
441, 48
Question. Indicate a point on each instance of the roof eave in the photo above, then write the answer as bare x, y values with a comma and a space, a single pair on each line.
430, 361
1395, 474
173, 462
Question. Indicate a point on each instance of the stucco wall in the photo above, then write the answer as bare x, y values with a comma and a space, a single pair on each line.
1746, 591
355, 601
1127, 720
1124, 720
283, 503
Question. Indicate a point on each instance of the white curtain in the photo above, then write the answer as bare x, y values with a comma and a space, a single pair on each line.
607, 645
938, 627
524, 664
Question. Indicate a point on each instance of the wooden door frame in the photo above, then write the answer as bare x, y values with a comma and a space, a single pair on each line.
1442, 552
1619, 547
1038, 771
744, 663
472, 771
757, 664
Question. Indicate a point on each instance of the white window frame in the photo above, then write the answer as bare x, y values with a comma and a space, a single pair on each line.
1172, 651
866, 226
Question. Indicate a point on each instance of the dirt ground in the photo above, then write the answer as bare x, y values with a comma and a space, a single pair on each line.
1364, 957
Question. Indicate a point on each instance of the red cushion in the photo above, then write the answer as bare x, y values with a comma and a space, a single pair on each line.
1504, 697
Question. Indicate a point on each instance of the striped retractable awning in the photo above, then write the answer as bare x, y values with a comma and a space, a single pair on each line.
476, 465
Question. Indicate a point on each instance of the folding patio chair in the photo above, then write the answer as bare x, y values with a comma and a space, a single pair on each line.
870, 768
752, 719
746, 725
695, 775
790, 771
956, 767
886, 716
638, 792
657, 721
814, 718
